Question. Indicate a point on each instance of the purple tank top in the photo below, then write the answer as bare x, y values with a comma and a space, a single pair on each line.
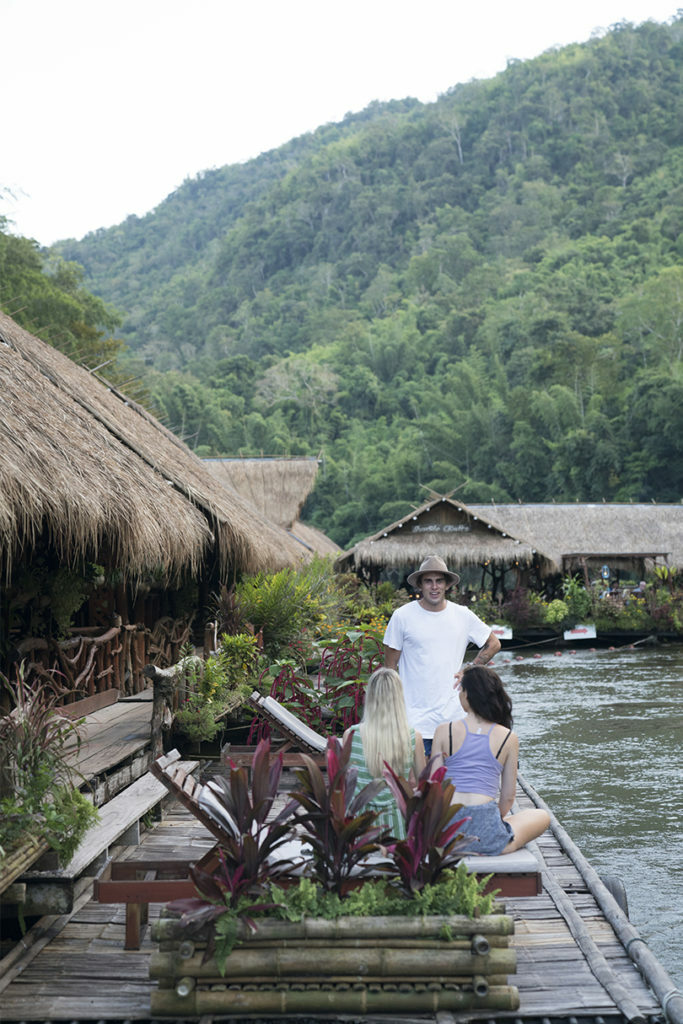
473, 768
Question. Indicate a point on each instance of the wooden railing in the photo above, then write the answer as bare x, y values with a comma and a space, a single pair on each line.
93, 661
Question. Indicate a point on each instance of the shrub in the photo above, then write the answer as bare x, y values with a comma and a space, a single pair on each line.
196, 719
522, 609
556, 613
37, 791
579, 602
286, 604
232, 666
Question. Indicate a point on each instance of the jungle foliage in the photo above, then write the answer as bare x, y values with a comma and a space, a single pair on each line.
485, 292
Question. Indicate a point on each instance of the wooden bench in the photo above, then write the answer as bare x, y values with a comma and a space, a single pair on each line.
52, 889
137, 883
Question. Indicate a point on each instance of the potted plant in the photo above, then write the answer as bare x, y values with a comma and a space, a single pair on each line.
297, 918
41, 807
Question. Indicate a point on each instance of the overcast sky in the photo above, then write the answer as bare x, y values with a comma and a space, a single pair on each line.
108, 106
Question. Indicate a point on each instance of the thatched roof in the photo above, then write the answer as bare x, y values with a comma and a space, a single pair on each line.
314, 540
444, 527
102, 478
619, 534
278, 488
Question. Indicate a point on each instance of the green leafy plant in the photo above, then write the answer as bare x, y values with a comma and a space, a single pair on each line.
556, 613
283, 605
578, 600
457, 891
68, 591
38, 794
667, 576
232, 667
431, 827
332, 817
196, 719
344, 670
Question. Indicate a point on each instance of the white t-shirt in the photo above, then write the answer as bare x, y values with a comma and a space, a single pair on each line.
432, 646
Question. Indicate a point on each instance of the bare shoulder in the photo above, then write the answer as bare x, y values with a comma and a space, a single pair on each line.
510, 742
440, 734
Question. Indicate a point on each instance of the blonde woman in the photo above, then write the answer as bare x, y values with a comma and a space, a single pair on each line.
384, 735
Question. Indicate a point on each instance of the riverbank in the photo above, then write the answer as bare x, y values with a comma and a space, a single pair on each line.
583, 640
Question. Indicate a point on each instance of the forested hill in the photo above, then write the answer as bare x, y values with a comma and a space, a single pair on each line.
485, 291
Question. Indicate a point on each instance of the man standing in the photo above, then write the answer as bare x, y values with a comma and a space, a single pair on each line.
425, 641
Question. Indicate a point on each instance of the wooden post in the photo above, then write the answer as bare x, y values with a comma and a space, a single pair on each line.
164, 682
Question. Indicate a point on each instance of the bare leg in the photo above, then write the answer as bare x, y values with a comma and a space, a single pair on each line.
526, 825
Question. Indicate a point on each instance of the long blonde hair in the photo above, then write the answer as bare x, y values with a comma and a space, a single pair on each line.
384, 727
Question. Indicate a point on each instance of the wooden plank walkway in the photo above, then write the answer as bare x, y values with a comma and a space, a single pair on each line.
78, 970
112, 735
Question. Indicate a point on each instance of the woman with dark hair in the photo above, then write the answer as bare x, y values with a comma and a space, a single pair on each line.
480, 753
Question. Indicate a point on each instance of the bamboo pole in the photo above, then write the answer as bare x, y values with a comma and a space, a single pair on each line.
461, 981
399, 999
432, 926
659, 980
381, 961
483, 944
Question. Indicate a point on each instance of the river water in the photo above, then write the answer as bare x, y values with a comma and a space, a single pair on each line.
601, 741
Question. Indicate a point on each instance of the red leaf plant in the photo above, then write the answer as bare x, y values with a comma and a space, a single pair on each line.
246, 861
431, 827
334, 820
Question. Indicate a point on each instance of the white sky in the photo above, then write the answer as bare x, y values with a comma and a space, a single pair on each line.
108, 105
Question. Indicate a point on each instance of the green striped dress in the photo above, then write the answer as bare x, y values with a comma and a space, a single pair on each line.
384, 802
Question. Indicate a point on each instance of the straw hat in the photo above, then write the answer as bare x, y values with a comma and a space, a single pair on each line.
433, 563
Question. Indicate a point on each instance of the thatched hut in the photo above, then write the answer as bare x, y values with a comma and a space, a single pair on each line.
449, 528
278, 487
88, 478
629, 538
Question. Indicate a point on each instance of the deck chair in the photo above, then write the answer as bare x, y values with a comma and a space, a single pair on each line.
137, 883
298, 738
199, 799
292, 728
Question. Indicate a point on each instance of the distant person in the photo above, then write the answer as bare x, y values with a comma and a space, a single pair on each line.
384, 734
480, 753
426, 641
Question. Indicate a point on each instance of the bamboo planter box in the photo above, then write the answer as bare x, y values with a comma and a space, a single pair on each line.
356, 965
19, 858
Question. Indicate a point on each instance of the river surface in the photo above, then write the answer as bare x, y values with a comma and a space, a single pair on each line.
601, 741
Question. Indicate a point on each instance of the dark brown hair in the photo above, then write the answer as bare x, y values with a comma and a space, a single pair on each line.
486, 695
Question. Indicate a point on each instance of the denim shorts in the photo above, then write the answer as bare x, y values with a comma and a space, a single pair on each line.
486, 831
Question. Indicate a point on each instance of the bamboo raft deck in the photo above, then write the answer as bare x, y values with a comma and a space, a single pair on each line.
74, 967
